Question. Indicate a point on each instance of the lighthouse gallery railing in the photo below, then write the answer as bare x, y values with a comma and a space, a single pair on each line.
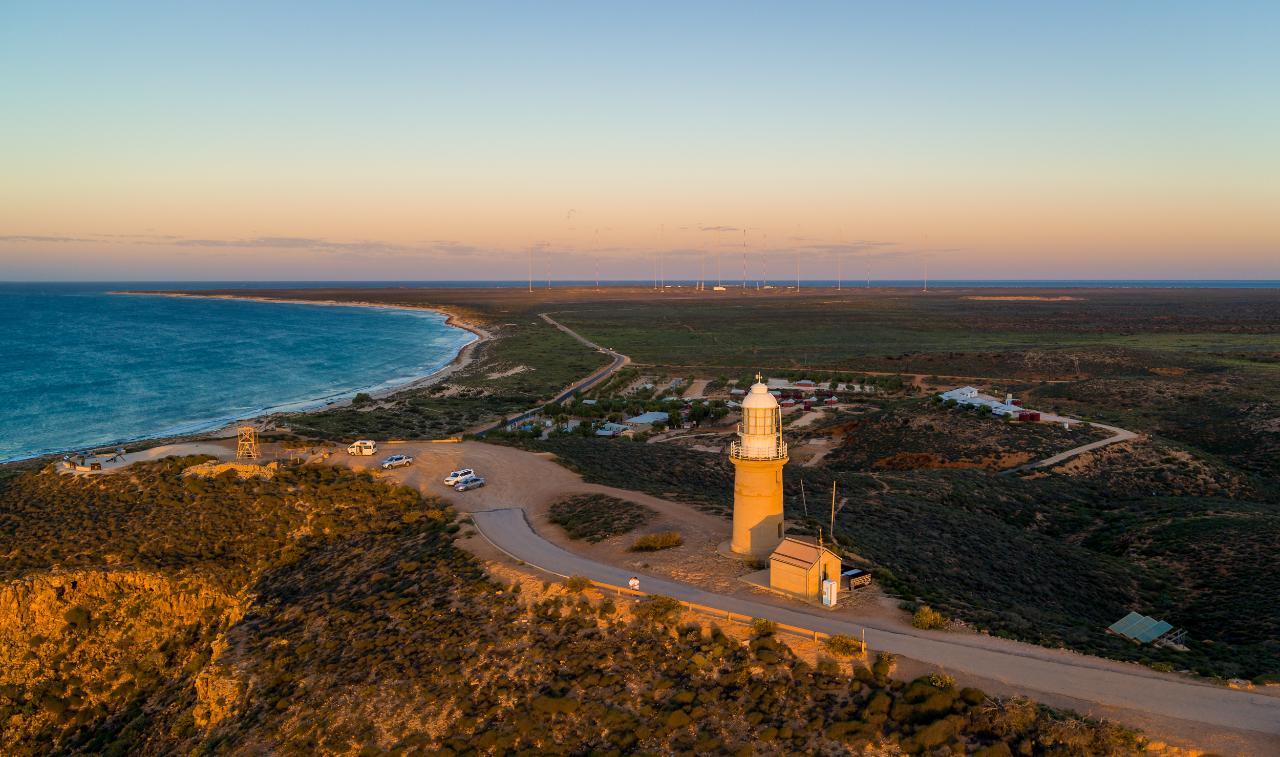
776, 451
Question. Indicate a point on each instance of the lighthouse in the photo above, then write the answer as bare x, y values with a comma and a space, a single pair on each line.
758, 456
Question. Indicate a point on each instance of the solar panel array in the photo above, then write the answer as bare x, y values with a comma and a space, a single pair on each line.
1140, 628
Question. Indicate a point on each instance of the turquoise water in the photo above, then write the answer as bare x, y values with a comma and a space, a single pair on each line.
80, 367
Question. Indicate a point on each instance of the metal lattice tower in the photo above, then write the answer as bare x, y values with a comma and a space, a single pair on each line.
246, 443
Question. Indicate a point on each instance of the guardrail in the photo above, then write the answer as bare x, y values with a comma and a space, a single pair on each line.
732, 617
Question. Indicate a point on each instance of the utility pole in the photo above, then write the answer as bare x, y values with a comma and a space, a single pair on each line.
833, 509
662, 240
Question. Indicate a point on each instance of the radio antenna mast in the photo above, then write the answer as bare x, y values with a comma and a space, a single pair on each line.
840, 262
744, 258
662, 240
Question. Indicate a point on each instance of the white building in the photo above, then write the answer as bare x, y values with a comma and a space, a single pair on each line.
969, 397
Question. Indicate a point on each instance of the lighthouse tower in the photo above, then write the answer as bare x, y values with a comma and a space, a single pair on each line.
758, 457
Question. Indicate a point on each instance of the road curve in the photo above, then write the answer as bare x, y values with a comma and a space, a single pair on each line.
1080, 677
1118, 435
618, 362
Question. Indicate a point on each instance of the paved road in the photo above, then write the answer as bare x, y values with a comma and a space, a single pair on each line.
1085, 678
618, 363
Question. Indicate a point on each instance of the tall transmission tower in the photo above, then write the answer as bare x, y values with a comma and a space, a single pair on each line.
246, 443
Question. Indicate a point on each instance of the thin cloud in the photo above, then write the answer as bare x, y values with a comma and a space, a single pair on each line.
37, 239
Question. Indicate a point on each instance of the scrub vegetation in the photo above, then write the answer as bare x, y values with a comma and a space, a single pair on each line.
341, 619
596, 517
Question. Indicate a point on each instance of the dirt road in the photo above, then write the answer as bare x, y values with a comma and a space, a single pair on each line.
1118, 435
619, 361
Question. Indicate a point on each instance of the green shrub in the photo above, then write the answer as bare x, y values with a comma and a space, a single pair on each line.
844, 646
885, 664
655, 542
658, 610
928, 618
762, 627
940, 680
577, 584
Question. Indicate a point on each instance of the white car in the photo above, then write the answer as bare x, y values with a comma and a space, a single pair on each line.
458, 475
396, 461
363, 447
467, 484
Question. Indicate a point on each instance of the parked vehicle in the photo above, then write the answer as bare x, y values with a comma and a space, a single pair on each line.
363, 447
458, 476
396, 461
467, 484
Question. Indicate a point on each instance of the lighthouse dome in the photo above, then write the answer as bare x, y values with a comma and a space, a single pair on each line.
759, 397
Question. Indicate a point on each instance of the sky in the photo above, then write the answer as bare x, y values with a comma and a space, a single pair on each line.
477, 140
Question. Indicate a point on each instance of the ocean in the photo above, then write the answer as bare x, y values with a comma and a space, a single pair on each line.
81, 367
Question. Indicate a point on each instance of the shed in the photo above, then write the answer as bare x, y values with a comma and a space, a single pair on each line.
799, 567
649, 418
831, 401
805, 384
611, 429
1029, 416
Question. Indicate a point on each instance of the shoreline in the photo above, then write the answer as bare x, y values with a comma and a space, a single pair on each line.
464, 357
